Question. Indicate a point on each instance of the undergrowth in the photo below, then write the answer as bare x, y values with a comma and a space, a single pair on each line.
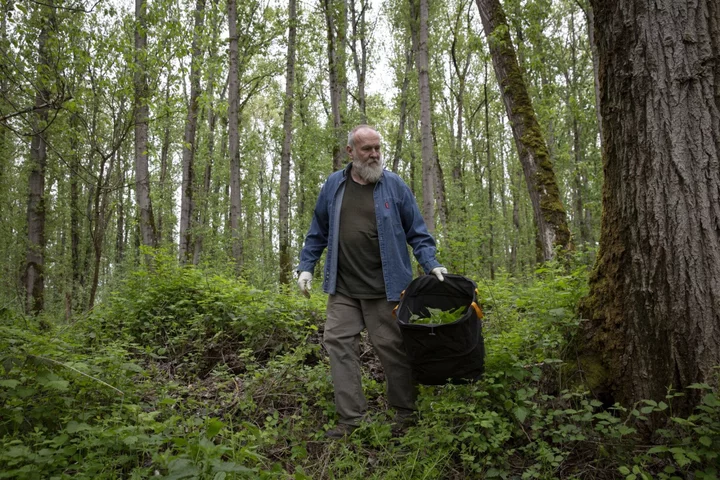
181, 373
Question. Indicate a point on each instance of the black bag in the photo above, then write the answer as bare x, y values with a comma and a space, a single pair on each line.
445, 353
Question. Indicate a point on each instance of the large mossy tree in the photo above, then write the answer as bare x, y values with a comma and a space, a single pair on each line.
654, 304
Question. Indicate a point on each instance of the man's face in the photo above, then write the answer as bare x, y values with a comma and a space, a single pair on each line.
366, 148
365, 154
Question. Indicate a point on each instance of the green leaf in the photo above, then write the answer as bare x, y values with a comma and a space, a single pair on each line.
658, 449
8, 364
181, 468
700, 386
53, 382
11, 384
521, 414
230, 467
132, 367
75, 427
705, 441
213, 428
681, 459
624, 470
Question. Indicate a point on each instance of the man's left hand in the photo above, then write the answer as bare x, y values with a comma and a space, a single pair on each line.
438, 272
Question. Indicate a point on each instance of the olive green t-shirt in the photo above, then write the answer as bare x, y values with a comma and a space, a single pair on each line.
359, 265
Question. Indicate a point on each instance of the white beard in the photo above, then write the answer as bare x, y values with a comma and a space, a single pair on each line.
369, 173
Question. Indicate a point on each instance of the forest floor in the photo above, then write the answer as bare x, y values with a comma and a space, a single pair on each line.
180, 373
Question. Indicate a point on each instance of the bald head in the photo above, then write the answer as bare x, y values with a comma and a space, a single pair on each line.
360, 130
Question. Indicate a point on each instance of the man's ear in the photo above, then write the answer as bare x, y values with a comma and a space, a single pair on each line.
349, 150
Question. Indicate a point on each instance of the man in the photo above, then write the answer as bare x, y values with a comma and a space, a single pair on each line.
366, 216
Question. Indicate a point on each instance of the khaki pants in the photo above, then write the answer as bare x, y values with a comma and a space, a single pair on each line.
346, 318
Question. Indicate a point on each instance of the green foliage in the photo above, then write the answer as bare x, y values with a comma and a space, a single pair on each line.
190, 319
99, 399
438, 316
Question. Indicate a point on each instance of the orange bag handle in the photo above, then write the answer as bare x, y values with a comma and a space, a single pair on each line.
478, 310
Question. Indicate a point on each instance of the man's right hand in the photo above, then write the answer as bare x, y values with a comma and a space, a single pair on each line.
304, 283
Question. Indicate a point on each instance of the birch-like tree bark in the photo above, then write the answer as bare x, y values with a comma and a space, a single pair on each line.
189, 147
360, 41
142, 113
285, 260
426, 139
335, 22
548, 210
234, 139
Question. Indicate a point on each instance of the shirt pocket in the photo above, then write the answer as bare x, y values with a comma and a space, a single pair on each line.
390, 212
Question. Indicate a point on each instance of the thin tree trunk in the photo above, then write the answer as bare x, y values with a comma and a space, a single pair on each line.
359, 27
491, 192
461, 71
74, 212
579, 179
234, 139
120, 225
100, 221
409, 59
285, 261
142, 114
164, 166
654, 302
428, 156
590, 18
439, 182
336, 64
189, 146
35, 257
548, 210
204, 217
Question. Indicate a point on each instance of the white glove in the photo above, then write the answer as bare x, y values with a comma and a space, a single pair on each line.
304, 283
438, 272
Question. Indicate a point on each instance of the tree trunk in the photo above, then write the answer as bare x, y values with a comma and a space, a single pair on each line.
409, 59
439, 182
461, 69
74, 211
100, 221
234, 139
428, 156
337, 76
35, 257
120, 225
590, 18
654, 302
285, 260
188, 155
548, 210
204, 216
360, 35
142, 113
491, 193
164, 168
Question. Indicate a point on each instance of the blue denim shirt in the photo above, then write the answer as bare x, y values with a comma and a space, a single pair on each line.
399, 223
